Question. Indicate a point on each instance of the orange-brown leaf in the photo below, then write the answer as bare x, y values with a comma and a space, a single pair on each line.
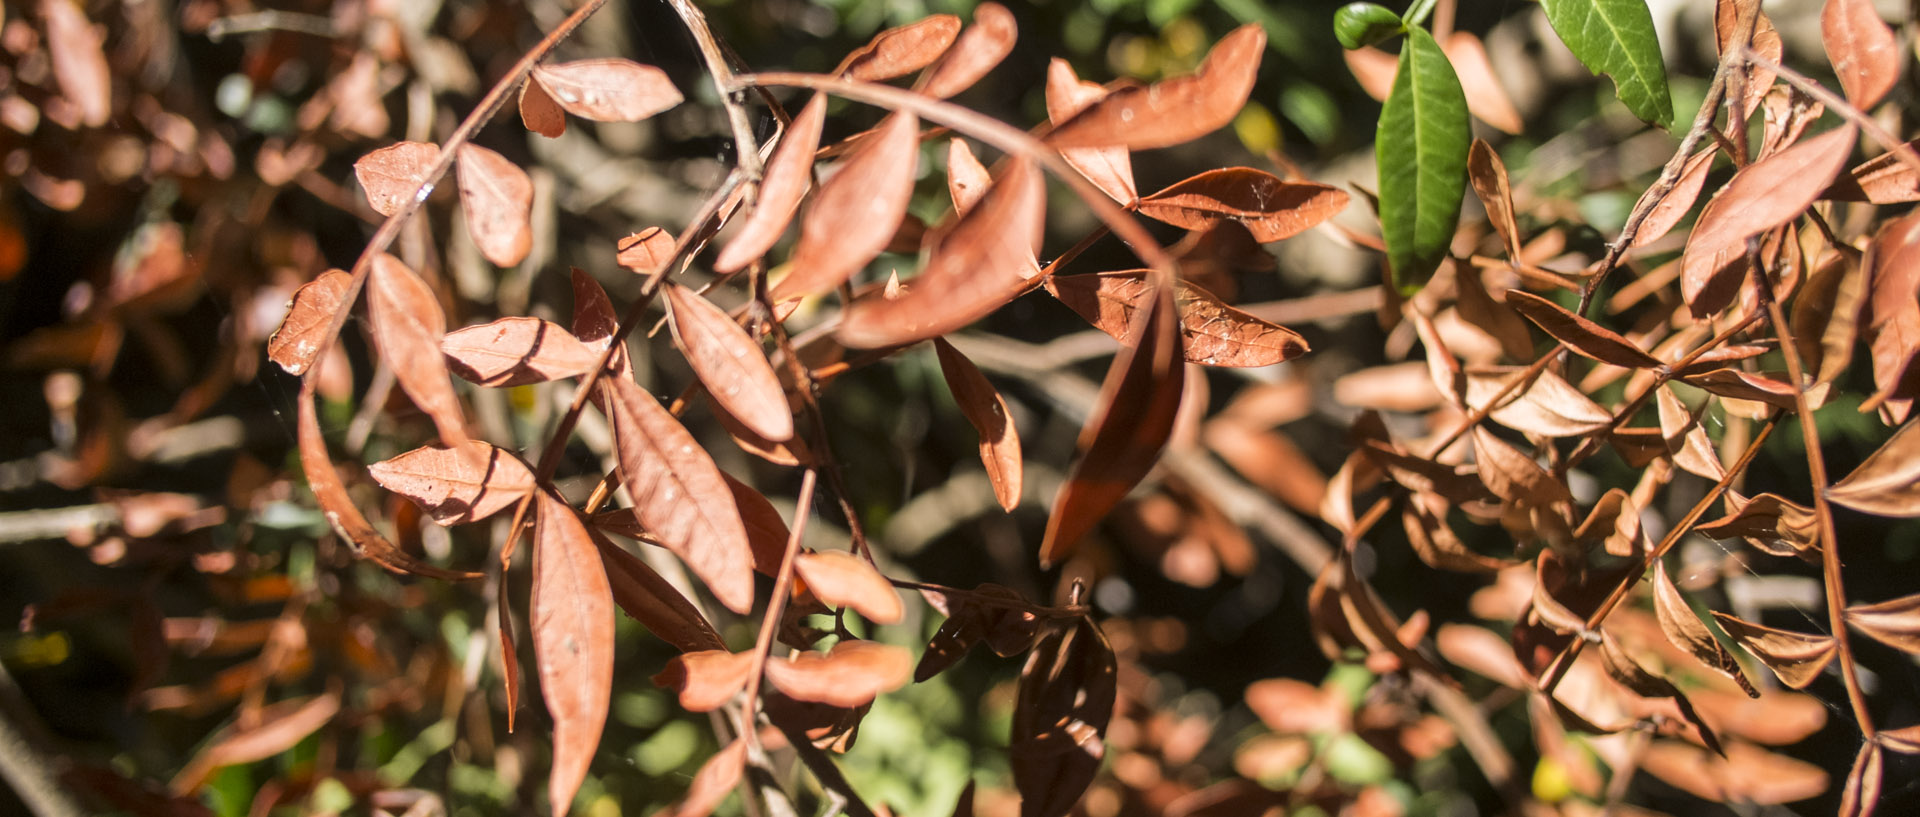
392, 175
645, 252
1130, 425
967, 178
729, 363
1213, 333
983, 407
453, 487
1893, 309
1887, 483
1060, 715
408, 326
979, 48
275, 728
1512, 475
1674, 204
711, 785
851, 674
309, 313
1895, 622
902, 50
650, 599
707, 679
1487, 99
1761, 196
1883, 179
1770, 522
539, 112
1488, 175
498, 199
841, 579
1172, 111
1861, 793
572, 619
978, 264
1270, 209
1686, 631
515, 352
679, 495
788, 177
1578, 333
1740, 385
608, 90
854, 215
1862, 50
1797, 658
1109, 168
79, 62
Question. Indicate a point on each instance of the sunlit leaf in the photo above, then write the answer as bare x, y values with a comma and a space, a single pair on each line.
788, 177
1421, 147
1895, 622
1109, 168
1862, 49
902, 50
539, 112
987, 412
498, 199
572, 619
1686, 631
341, 513
408, 326
979, 48
302, 331
1797, 658
608, 90
1578, 333
1761, 196
1616, 38
851, 674
1212, 333
729, 363
392, 175
856, 210
840, 579
515, 352
1888, 481
1269, 208
453, 488
1172, 111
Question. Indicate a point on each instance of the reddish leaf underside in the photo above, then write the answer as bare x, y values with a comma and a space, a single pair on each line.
515, 352
730, 364
302, 332
392, 175
1213, 333
408, 326
1109, 168
788, 177
1269, 208
498, 199
608, 90
1172, 111
572, 619
856, 210
987, 412
454, 488
539, 112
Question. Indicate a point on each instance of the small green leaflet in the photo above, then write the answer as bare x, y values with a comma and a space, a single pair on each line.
1421, 148
1615, 37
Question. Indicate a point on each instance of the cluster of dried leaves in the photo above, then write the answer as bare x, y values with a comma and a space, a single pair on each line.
1497, 450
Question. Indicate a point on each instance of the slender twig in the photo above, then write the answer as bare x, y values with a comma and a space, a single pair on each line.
746, 148
782, 588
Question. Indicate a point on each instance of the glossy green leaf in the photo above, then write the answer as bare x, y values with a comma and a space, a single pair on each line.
1358, 25
1616, 38
1421, 148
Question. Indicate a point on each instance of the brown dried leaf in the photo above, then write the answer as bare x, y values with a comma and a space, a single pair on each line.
1743, 386
498, 199
608, 90
679, 495
515, 352
851, 674
1673, 206
1883, 179
1269, 208
840, 579
980, 47
1109, 168
393, 175
789, 175
1826, 315
1862, 50
1747, 774
902, 50
707, 679
1862, 791
1172, 111
79, 61
1887, 482
1487, 100
1765, 43
1797, 658
539, 112
1893, 309
1512, 475
711, 785
1293, 707
456, 488
1895, 622
1770, 522
275, 728
1549, 407
1488, 176
1139, 402
408, 326
854, 215
1065, 701
309, 313
729, 363
1760, 197
967, 178
572, 619
983, 407
650, 599
1213, 333
1579, 334
1686, 631
1425, 518
1905, 740
645, 252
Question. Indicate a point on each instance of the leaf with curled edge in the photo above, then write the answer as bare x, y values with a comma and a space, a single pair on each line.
1760, 197
1687, 632
1270, 208
967, 178
984, 409
1637, 679
789, 174
645, 252
1797, 658
979, 48
729, 362
1514, 476
901, 50
1213, 333
678, 493
841, 579
705, 680
1893, 327
1769, 522
1172, 111
1887, 482
1109, 168
1131, 424
1895, 622
979, 263
571, 614
1883, 179
407, 326
340, 512
309, 313
1615, 521
653, 601
1425, 518
1487, 174
515, 352
854, 214
1862, 50
392, 175
850, 674
1861, 793
1064, 702
1905, 740
1549, 406
498, 199
1826, 316
595, 323
456, 488
1684, 438
1580, 334
1741, 385
539, 112
608, 90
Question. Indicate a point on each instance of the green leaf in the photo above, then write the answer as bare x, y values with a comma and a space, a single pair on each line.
1616, 38
1421, 148
1358, 25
